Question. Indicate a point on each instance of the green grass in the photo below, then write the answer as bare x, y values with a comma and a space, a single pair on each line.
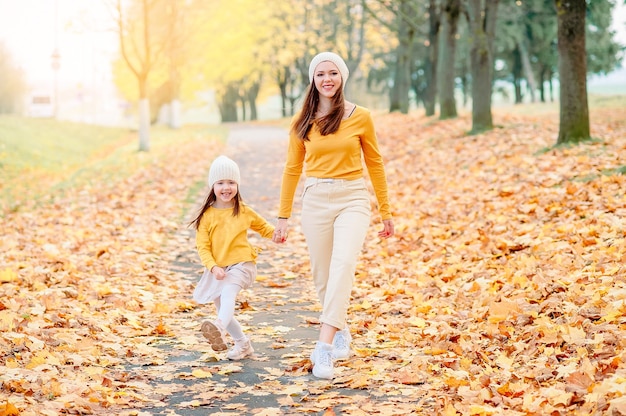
32, 144
40, 156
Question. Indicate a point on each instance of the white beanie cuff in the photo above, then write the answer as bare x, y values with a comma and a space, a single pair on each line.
335, 59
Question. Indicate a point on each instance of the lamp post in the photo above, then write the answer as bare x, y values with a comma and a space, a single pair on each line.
56, 59
56, 64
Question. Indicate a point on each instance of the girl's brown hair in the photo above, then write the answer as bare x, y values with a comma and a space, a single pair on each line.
327, 124
208, 203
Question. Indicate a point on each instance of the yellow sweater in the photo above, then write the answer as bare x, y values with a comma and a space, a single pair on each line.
222, 239
336, 156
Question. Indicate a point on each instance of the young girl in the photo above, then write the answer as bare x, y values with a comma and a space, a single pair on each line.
229, 259
328, 139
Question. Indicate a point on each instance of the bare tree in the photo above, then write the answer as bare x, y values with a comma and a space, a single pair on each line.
137, 51
12, 83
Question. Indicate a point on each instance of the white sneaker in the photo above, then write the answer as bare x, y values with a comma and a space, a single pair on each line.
322, 359
240, 350
341, 344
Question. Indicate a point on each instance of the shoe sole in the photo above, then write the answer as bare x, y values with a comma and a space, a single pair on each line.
324, 376
241, 357
214, 336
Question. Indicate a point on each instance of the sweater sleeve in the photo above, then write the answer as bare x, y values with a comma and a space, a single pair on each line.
375, 166
260, 224
291, 174
203, 243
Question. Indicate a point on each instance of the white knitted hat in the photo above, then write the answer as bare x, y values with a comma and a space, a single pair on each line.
223, 168
335, 59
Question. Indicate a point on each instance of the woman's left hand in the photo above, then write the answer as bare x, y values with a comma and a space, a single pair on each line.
388, 230
280, 232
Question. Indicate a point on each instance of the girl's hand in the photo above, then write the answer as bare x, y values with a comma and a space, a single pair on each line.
388, 231
218, 272
280, 232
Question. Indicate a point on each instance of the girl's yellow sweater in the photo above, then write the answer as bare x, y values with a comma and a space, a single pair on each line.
222, 239
336, 156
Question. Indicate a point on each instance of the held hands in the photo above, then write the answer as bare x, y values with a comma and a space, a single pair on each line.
280, 232
218, 272
388, 231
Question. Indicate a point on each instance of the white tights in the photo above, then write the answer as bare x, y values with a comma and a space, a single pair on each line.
225, 305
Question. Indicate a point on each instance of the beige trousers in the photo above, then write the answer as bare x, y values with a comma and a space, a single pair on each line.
335, 217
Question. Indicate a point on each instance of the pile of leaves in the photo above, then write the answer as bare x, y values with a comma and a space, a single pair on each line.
86, 278
502, 292
505, 288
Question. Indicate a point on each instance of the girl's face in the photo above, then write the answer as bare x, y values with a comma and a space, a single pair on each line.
225, 190
327, 79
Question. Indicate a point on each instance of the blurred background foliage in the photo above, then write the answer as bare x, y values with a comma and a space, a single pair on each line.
246, 50
402, 54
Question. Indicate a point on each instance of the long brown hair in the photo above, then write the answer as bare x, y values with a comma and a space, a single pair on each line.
328, 124
208, 203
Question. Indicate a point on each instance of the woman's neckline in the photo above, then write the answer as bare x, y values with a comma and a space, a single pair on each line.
349, 109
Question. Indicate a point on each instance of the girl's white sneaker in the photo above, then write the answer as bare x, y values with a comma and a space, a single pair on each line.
240, 350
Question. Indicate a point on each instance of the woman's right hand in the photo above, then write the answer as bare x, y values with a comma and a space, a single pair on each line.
280, 232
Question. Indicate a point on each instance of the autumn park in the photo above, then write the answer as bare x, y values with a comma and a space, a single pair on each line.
502, 292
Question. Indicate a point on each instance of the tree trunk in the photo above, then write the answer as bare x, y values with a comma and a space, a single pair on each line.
175, 114
465, 86
574, 110
430, 94
528, 70
542, 82
447, 103
482, 31
227, 103
144, 125
283, 98
516, 71
551, 90
281, 79
175, 107
399, 99
242, 99
251, 95
399, 96
141, 71
292, 104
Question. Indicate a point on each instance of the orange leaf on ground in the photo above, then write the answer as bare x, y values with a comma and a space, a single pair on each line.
7, 409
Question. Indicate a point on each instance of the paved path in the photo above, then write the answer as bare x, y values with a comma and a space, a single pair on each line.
280, 312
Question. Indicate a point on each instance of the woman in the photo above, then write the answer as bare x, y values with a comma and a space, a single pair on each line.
330, 135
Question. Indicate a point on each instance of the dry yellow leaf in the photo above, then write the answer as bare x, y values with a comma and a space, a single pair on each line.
7, 275
160, 307
200, 373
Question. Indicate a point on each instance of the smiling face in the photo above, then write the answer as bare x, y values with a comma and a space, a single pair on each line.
327, 79
225, 191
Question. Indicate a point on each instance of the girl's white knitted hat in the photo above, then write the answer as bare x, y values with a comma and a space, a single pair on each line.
335, 59
223, 168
